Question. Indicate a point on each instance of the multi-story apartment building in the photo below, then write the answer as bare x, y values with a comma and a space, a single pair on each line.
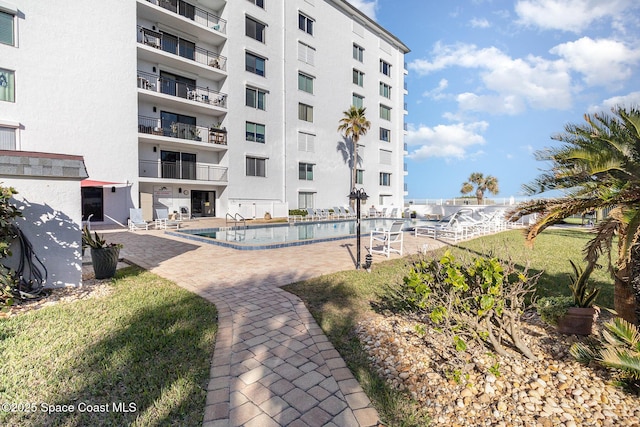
204, 104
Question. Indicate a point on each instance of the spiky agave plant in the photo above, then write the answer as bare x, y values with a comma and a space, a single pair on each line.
619, 349
582, 296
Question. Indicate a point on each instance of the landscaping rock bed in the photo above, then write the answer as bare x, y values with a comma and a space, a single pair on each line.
499, 391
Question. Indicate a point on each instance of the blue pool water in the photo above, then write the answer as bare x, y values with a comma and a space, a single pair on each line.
272, 236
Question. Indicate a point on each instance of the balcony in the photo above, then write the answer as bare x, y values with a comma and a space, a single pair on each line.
193, 13
192, 133
182, 170
204, 95
178, 51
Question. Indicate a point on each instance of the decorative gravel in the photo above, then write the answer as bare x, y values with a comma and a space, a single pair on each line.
553, 391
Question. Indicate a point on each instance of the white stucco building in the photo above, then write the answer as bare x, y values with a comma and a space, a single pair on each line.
204, 104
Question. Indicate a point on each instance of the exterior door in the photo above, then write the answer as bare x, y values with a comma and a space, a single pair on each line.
92, 203
203, 203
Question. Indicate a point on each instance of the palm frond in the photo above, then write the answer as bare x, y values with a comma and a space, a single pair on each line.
622, 360
621, 332
582, 353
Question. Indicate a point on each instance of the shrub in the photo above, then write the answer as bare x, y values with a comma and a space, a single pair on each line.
301, 212
480, 301
8, 212
618, 348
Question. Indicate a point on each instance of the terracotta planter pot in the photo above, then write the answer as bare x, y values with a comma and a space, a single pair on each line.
105, 261
578, 320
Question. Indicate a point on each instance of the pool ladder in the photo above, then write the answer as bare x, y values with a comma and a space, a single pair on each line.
235, 219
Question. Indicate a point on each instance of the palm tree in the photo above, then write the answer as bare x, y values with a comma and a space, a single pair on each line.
597, 167
354, 124
482, 184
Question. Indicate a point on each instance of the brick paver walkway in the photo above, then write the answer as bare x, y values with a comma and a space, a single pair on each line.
272, 364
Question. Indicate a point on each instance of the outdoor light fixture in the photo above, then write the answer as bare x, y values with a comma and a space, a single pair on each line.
113, 189
179, 190
359, 195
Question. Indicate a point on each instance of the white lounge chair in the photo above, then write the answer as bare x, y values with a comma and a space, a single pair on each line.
135, 220
312, 214
454, 229
163, 221
338, 212
391, 240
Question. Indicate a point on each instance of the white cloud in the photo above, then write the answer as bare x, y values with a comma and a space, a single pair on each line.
568, 15
368, 7
437, 92
512, 83
628, 100
602, 62
479, 23
445, 141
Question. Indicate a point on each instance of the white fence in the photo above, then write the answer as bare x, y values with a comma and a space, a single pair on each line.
253, 210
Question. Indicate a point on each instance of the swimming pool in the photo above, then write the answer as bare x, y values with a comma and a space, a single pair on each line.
271, 236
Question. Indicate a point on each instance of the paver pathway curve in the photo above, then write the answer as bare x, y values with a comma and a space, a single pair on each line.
272, 364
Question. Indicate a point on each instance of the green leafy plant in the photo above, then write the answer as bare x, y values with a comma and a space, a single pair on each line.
618, 348
480, 301
8, 211
582, 296
95, 241
551, 309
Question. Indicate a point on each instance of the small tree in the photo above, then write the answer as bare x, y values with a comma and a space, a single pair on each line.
354, 124
482, 183
7, 233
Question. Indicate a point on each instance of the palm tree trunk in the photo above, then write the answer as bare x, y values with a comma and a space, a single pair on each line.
624, 298
635, 277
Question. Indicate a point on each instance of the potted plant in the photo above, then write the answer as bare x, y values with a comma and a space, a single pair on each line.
573, 314
195, 133
104, 256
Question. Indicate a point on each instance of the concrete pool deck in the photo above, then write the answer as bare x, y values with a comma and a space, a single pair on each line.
272, 364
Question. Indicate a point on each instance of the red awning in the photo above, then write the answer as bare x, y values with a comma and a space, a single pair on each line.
92, 183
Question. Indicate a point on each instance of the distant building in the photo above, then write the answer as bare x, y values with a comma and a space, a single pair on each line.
203, 105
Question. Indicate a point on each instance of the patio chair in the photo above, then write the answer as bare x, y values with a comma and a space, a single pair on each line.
338, 213
454, 229
387, 240
135, 220
311, 214
394, 213
163, 221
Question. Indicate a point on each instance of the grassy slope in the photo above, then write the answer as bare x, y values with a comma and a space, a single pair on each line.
148, 343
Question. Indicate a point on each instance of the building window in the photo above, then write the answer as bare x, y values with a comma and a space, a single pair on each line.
385, 90
385, 179
385, 135
305, 112
305, 171
305, 200
7, 86
178, 46
254, 64
358, 53
254, 29
385, 112
255, 98
6, 29
7, 138
385, 157
255, 132
305, 82
385, 68
358, 101
306, 53
256, 166
359, 176
358, 77
259, 3
177, 165
306, 142
305, 23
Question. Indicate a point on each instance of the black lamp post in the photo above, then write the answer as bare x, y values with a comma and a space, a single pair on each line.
358, 195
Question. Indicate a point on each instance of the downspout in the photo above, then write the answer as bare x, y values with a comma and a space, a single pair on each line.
284, 102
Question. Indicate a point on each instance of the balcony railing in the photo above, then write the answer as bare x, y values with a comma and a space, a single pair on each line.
182, 48
182, 90
182, 170
154, 126
193, 13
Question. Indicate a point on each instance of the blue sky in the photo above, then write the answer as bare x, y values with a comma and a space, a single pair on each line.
490, 81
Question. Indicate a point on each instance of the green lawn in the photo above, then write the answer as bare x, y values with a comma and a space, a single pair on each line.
139, 356
338, 301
